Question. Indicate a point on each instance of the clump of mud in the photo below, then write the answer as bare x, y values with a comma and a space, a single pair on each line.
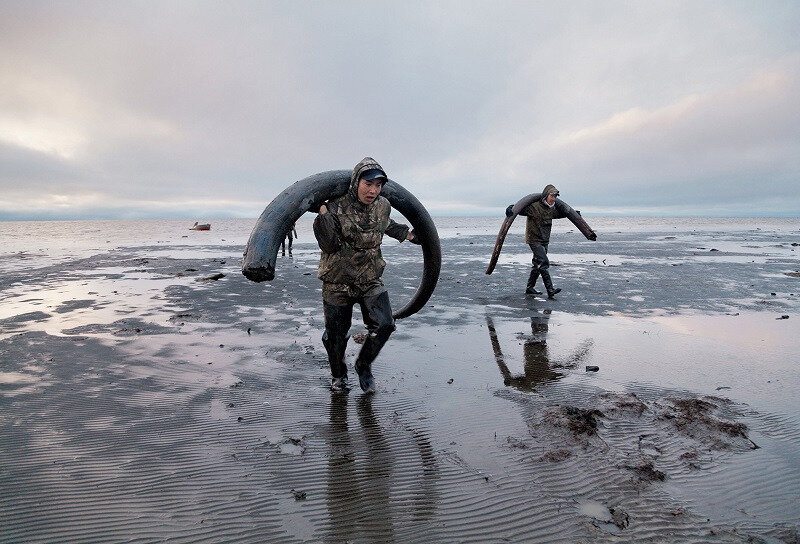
556, 456
647, 472
581, 421
709, 421
645, 436
561, 431
578, 421
627, 404
620, 517
705, 420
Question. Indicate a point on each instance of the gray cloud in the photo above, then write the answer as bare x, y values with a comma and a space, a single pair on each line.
191, 108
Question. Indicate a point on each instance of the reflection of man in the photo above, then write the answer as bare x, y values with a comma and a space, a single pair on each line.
537, 359
540, 216
358, 494
342, 489
349, 230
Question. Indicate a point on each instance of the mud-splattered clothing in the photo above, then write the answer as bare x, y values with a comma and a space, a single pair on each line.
540, 218
537, 235
350, 236
344, 293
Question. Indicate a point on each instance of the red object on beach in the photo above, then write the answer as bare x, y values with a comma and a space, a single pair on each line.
204, 226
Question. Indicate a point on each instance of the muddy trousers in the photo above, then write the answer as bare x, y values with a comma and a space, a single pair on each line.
541, 267
377, 314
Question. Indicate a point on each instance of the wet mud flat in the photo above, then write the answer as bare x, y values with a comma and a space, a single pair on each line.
158, 396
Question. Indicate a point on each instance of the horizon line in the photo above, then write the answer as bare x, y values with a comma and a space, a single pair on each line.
101, 217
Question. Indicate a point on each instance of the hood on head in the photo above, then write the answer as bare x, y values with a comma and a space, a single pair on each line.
367, 163
549, 190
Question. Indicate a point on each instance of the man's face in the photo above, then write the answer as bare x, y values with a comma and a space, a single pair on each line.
551, 199
369, 189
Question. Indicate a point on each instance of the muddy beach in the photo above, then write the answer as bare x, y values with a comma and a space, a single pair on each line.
150, 393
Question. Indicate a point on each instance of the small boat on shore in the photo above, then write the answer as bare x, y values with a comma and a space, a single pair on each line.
204, 226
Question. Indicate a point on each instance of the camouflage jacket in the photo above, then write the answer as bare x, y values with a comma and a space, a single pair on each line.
350, 236
540, 219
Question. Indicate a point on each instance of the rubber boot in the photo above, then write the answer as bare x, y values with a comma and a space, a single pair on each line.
369, 351
548, 284
530, 289
365, 378
377, 313
337, 323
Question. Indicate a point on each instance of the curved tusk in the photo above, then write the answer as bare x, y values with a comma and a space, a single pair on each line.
413, 210
523, 203
260, 254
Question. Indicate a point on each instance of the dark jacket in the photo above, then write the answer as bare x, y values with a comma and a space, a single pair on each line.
351, 232
540, 218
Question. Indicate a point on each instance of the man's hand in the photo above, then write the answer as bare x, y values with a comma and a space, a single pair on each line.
509, 213
323, 209
412, 237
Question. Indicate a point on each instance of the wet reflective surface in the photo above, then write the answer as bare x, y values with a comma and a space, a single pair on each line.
141, 400
537, 360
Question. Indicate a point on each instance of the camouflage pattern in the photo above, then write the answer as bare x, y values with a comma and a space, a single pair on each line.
540, 218
343, 294
354, 263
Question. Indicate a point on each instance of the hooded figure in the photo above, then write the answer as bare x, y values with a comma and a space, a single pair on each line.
350, 230
540, 216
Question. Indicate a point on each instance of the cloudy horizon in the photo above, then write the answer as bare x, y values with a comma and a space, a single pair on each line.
203, 109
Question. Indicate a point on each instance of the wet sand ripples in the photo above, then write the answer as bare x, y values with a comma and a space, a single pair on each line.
201, 414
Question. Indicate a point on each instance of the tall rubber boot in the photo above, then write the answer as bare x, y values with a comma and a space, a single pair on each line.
548, 284
531, 287
377, 313
337, 323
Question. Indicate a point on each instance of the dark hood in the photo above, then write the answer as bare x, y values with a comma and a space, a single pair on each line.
367, 163
549, 189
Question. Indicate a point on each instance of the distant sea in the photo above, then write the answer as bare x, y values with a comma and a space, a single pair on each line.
56, 240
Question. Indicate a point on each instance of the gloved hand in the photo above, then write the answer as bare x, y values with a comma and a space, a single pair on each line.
593, 236
328, 231
509, 213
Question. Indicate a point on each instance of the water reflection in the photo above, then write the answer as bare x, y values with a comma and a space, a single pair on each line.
362, 504
536, 355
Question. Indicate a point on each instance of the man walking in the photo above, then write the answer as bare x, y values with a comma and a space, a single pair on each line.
349, 230
540, 216
288, 237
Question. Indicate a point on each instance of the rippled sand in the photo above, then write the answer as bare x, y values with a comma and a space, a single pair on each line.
142, 402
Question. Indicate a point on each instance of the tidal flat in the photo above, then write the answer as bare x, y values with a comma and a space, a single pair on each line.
150, 393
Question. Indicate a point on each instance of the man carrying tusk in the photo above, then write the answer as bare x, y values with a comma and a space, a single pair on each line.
540, 216
349, 230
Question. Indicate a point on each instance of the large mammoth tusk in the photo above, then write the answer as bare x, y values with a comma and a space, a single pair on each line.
272, 227
424, 229
258, 262
523, 203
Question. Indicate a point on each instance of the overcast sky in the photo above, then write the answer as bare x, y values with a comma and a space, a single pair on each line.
209, 109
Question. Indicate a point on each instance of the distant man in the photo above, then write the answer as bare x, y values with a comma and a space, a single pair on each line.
540, 216
349, 230
289, 238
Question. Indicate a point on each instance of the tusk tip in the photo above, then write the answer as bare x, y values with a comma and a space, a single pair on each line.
259, 273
